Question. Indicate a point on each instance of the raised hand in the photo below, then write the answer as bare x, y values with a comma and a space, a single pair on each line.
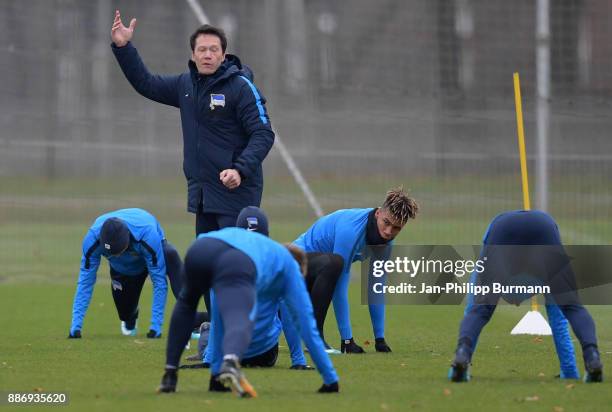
120, 34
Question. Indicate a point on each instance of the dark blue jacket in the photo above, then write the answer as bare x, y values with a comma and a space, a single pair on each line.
225, 126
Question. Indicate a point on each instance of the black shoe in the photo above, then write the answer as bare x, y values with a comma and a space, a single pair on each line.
168, 382
331, 388
593, 365
349, 346
381, 345
216, 386
302, 368
232, 377
75, 335
459, 371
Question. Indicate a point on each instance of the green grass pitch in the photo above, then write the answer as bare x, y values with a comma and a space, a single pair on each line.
106, 370
42, 224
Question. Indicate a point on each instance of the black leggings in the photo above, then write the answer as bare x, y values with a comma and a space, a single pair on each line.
126, 289
324, 270
209, 222
174, 269
263, 360
126, 293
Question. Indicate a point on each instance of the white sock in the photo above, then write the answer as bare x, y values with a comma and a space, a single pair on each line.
231, 356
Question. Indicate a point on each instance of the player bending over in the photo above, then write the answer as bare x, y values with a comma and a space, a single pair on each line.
135, 245
532, 229
263, 349
242, 268
345, 233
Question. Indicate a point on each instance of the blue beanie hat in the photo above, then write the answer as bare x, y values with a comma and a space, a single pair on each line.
253, 219
114, 236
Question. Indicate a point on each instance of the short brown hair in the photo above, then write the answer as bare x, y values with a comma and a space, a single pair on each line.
400, 205
300, 257
208, 29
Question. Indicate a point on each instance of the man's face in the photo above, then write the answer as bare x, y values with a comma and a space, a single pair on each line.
207, 54
388, 226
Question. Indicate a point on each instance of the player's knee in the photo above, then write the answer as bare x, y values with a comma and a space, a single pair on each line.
483, 311
336, 264
170, 253
486, 311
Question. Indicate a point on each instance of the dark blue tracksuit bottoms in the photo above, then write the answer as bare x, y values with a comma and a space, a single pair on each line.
527, 228
212, 263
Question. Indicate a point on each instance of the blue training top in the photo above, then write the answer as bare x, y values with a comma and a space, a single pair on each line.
344, 233
267, 330
144, 253
278, 280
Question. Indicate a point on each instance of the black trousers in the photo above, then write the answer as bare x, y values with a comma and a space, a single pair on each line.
208, 222
263, 360
126, 289
324, 270
126, 294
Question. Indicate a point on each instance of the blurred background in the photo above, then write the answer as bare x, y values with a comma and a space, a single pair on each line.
364, 95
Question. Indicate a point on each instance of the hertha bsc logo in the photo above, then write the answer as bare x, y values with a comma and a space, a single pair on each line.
217, 100
116, 285
252, 223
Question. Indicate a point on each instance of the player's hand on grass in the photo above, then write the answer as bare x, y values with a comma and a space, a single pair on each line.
331, 388
349, 346
120, 34
151, 334
302, 367
381, 345
75, 334
230, 178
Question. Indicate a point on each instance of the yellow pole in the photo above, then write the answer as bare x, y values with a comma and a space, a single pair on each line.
523, 156
521, 141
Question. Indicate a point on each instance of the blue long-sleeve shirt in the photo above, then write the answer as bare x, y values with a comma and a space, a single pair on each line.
344, 233
144, 253
280, 281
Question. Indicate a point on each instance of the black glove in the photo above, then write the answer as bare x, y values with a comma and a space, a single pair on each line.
200, 365
332, 387
302, 367
349, 346
381, 345
216, 386
75, 335
151, 334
